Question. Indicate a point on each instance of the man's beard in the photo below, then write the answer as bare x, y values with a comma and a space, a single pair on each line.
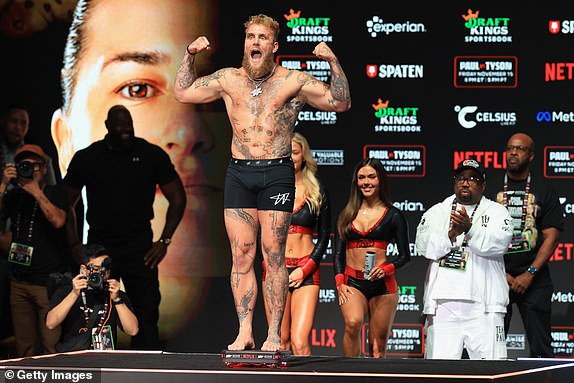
262, 71
465, 199
518, 168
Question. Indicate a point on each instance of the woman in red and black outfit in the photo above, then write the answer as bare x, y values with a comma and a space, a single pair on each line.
368, 223
311, 213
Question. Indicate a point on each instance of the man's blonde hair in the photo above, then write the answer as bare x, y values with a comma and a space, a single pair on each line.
264, 20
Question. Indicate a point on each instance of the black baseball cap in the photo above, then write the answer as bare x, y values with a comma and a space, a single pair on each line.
471, 164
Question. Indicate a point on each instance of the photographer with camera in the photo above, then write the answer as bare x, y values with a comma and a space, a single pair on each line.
89, 308
37, 214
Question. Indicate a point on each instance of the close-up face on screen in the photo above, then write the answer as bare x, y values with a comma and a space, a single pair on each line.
133, 61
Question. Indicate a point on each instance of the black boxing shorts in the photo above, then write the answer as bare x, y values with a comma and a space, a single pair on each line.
261, 184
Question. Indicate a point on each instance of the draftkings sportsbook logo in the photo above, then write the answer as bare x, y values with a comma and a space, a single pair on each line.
307, 29
397, 119
486, 29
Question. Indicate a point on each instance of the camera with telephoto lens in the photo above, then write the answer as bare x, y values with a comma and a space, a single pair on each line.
25, 169
97, 280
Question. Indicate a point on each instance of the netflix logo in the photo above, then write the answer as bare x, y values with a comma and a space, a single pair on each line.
324, 337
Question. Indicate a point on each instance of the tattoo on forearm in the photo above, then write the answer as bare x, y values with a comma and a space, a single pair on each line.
186, 73
340, 85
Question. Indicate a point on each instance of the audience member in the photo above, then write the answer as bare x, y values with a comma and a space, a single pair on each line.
14, 126
90, 308
37, 214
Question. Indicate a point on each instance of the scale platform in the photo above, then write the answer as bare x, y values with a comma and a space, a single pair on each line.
255, 358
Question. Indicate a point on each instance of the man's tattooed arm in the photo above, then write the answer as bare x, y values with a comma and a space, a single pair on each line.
186, 74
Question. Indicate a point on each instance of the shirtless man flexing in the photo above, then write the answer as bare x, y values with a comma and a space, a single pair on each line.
262, 101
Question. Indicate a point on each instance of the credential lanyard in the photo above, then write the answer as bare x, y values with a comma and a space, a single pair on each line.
524, 202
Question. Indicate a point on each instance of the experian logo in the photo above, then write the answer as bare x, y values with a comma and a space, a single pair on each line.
376, 25
407, 205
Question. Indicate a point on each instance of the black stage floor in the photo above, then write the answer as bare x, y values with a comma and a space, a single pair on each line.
143, 367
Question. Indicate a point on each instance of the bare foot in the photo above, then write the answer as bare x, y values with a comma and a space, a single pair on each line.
242, 343
270, 345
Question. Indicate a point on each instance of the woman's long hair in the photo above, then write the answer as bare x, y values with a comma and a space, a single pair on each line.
350, 211
309, 174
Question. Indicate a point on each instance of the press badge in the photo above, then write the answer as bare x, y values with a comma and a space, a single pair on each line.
456, 259
104, 340
20, 254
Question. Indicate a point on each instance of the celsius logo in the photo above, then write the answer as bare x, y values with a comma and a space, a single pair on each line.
395, 70
486, 29
376, 25
558, 71
557, 26
466, 121
307, 29
327, 296
324, 118
566, 206
553, 116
